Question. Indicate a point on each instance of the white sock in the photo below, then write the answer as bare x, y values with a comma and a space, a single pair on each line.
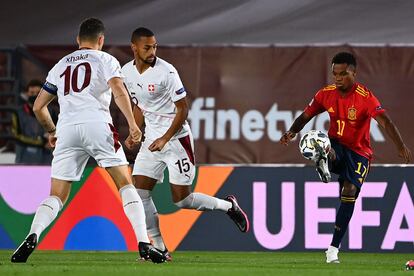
151, 214
203, 202
45, 214
134, 211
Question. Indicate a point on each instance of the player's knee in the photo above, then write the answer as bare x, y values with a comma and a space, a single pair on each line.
61, 193
332, 155
120, 175
144, 194
185, 203
349, 189
348, 194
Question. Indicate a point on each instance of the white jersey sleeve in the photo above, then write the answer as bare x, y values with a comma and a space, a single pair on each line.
111, 68
174, 86
51, 76
51, 82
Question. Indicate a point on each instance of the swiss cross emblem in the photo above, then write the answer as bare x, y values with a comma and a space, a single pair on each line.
151, 87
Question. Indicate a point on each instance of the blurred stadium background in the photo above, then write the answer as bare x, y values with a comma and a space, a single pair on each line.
250, 67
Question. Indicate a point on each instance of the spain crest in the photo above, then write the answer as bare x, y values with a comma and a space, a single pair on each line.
352, 113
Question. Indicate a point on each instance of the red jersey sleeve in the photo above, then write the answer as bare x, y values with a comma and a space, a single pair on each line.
374, 106
315, 106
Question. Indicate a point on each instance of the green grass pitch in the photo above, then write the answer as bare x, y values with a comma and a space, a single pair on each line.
48, 263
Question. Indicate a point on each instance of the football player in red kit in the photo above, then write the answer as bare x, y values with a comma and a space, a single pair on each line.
350, 106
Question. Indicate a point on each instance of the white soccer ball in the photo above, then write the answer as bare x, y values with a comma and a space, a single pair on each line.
313, 143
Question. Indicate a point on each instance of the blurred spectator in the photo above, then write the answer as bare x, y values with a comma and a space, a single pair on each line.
31, 139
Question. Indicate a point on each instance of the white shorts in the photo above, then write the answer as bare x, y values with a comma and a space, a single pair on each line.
76, 143
177, 155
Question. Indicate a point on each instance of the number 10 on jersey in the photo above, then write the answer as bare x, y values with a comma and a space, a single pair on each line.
71, 78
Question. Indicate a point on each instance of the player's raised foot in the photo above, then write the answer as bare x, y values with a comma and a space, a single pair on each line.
332, 255
149, 252
167, 255
322, 166
237, 214
25, 249
323, 170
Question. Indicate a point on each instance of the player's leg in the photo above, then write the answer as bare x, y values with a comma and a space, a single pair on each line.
145, 185
148, 169
353, 171
184, 198
68, 163
343, 217
346, 209
179, 158
108, 153
49, 208
131, 201
134, 210
44, 216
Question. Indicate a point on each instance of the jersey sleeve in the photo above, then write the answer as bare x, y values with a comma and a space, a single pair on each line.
174, 86
51, 82
374, 107
112, 68
315, 106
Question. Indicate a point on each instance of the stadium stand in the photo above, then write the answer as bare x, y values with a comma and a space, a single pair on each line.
9, 88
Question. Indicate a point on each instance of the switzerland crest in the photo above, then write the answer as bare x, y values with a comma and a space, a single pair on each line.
352, 113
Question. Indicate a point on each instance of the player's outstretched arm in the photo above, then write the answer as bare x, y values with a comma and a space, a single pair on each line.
392, 131
124, 104
180, 117
43, 115
297, 126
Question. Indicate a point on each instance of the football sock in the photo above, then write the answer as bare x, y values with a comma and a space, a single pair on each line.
151, 218
45, 214
203, 202
342, 219
134, 211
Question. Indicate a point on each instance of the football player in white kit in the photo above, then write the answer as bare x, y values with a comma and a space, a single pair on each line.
159, 95
83, 81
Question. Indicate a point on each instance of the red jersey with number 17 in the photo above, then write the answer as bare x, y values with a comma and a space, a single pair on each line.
350, 115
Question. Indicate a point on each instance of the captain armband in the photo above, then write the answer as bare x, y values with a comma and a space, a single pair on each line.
51, 88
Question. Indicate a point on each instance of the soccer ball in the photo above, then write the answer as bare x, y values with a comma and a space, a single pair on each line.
312, 143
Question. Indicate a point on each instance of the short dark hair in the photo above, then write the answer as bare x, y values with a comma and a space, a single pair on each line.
90, 29
34, 82
141, 32
344, 57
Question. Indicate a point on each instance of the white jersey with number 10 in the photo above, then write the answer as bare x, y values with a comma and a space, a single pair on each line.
80, 81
